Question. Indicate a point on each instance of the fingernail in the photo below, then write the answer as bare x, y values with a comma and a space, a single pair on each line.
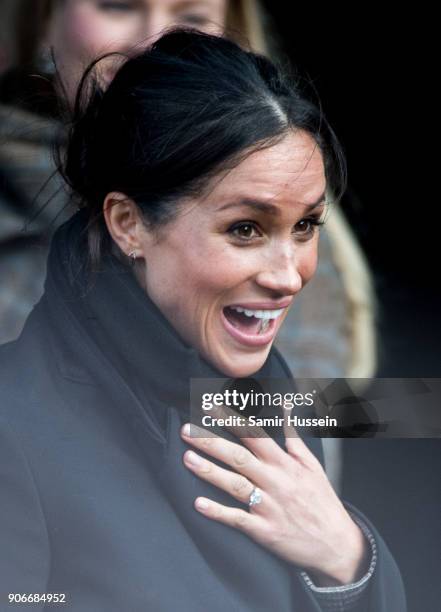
186, 430
201, 504
192, 458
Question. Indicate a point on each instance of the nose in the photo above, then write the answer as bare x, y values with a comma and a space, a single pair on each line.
280, 273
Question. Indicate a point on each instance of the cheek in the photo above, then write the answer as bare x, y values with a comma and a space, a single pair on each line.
218, 14
80, 36
187, 281
308, 260
203, 274
217, 269
73, 39
84, 35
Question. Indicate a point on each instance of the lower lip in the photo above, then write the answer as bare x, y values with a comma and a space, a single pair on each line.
251, 339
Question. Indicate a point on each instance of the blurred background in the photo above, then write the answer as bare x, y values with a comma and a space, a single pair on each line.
375, 90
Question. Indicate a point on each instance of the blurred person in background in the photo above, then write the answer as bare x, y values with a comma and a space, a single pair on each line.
330, 332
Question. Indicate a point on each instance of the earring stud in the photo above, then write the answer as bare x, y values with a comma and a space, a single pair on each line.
132, 254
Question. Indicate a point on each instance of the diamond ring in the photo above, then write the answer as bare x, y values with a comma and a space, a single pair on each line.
255, 497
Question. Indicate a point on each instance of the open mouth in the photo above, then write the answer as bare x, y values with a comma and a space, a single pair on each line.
253, 327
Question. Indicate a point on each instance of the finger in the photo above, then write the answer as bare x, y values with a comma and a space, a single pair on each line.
236, 485
289, 430
235, 455
294, 444
243, 430
255, 438
251, 524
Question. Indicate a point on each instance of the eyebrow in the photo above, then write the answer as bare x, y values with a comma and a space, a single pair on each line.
266, 207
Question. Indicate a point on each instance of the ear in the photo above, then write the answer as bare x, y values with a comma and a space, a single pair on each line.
124, 222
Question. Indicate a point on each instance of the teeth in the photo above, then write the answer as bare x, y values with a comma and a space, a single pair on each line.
259, 314
263, 326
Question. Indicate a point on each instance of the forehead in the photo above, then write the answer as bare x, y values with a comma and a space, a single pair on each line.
291, 170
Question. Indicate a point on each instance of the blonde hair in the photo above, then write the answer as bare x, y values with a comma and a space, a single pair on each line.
247, 18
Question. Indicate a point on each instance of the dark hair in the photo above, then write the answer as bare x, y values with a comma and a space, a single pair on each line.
174, 116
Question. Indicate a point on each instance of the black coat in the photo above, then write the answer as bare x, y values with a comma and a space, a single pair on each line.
95, 500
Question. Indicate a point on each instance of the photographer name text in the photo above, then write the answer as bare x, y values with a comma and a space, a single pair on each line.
275, 421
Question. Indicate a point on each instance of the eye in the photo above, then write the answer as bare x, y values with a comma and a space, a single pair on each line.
245, 231
307, 227
193, 19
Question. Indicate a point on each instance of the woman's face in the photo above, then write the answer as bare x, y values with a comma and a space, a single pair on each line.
82, 30
226, 270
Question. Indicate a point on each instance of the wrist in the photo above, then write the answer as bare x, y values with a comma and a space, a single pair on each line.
348, 564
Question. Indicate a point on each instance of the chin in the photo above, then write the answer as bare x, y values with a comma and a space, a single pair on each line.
243, 365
